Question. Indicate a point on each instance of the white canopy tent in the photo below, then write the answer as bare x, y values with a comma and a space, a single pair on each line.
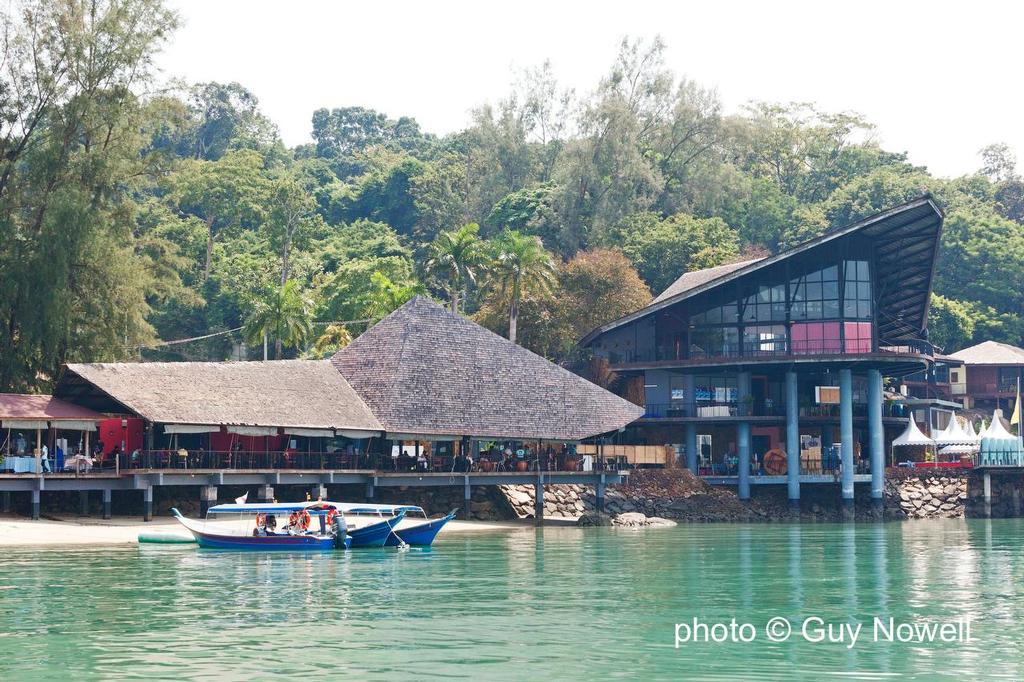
910, 437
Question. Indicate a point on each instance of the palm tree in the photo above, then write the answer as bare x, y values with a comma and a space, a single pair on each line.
386, 296
520, 265
284, 314
334, 338
454, 257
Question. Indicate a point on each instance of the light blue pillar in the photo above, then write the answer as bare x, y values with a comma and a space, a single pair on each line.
792, 439
876, 436
743, 437
846, 433
689, 396
743, 445
691, 447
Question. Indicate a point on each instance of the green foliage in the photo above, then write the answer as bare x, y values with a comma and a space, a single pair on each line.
125, 219
284, 315
454, 258
662, 250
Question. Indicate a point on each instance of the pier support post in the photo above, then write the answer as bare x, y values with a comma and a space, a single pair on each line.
35, 504
106, 503
369, 491
5, 502
207, 498
792, 440
599, 494
986, 488
846, 434
317, 492
265, 493
876, 438
467, 499
147, 503
538, 501
692, 456
83, 502
743, 439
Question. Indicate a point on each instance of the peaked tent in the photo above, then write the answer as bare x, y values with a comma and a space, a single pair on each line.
425, 371
999, 447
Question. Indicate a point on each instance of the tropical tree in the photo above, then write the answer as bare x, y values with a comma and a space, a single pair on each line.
520, 264
285, 314
292, 212
454, 257
334, 338
386, 296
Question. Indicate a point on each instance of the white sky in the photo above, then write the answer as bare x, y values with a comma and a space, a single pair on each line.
939, 79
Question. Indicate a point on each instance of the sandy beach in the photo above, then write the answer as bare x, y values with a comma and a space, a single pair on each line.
78, 531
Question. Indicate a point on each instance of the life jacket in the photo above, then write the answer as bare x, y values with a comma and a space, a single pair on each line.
293, 518
304, 520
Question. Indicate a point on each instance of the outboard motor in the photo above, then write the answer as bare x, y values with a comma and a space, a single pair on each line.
340, 529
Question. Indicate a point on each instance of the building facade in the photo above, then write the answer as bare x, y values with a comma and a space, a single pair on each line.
991, 372
771, 370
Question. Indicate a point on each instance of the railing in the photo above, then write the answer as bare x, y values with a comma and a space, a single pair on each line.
769, 349
170, 460
757, 408
829, 463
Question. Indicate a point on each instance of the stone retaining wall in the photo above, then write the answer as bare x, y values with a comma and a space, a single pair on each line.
927, 497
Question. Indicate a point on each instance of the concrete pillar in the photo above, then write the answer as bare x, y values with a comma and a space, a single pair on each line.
792, 440
743, 445
106, 503
147, 503
690, 396
83, 501
876, 438
538, 501
369, 491
5, 502
265, 493
599, 494
692, 456
467, 498
986, 483
35, 504
207, 498
846, 434
319, 491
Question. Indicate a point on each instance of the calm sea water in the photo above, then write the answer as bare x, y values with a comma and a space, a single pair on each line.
558, 603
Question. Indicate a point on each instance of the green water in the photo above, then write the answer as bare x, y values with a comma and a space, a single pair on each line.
559, 603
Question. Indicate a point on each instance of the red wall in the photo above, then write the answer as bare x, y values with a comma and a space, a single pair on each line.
111, 433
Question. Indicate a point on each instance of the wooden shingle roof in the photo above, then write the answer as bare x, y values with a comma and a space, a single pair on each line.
424, 370
990, 353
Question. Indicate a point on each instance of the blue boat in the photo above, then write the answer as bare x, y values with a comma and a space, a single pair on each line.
410, 530
375, 534
264, 535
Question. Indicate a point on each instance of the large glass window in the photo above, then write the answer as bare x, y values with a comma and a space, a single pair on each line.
764, 339
857, 291
858, 337
810, 338
715, 389
815, 296
710, 342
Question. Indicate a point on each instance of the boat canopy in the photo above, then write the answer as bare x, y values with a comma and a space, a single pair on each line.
273, 507
367, 508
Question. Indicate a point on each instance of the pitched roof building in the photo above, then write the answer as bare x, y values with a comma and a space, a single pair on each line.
426, 371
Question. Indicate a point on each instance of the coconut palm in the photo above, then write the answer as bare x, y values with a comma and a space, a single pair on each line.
454, 257
520, 265
285, 315
334, 338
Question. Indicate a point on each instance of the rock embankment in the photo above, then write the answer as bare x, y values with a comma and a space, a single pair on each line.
927, 497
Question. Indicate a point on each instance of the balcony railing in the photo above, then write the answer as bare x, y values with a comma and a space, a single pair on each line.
769, 349
757, 408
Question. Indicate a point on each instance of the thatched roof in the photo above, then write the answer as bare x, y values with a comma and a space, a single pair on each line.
284, 393
426, 371
990, 353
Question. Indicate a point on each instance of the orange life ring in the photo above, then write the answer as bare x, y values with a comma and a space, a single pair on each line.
774, 462
260, 520
304, 520
331, 513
